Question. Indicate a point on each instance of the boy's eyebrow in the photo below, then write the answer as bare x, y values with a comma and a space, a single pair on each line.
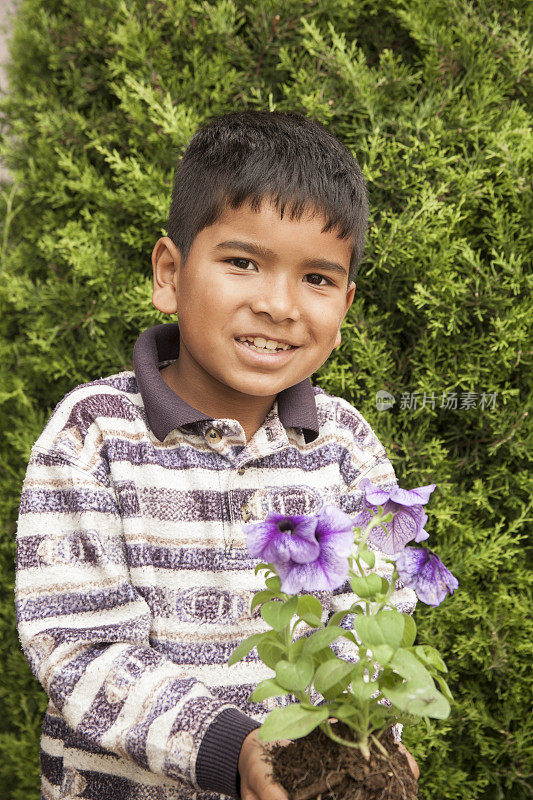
265, 252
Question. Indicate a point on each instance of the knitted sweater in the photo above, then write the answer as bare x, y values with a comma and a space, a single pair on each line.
134, 584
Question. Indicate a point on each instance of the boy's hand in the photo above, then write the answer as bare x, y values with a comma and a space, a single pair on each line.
257, 782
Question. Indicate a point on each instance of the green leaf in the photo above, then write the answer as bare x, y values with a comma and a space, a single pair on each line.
332, 677
363, 690
382, 653
295, 677
310, 610
295, 649
366, 587
418, 695
270, 651
337, 617
409, 631
278, 614
273, 583
322, 638
390, 678
445, 689
265, 689
291, 722
262, 565
261, 597
323, 655
345, 712
386, 627
421, 701
368, 557
428, 655
244, 648
408, 666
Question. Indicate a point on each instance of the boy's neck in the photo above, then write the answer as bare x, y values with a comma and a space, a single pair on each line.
249, 411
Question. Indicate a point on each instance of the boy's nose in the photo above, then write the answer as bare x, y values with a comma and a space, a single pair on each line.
277, 299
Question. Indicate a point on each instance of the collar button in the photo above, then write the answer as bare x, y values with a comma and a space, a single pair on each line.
214, 435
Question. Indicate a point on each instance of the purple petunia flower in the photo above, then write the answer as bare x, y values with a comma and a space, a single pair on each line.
423, 571
409, 515
329, 569
282, 538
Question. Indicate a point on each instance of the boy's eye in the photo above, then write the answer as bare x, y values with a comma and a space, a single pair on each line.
311, 274
246, 261
321, 277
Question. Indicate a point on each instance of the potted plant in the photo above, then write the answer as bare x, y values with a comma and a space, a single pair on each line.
343, 745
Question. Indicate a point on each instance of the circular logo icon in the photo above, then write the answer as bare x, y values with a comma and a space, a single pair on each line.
384, 400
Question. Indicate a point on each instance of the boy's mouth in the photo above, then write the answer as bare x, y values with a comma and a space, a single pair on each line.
262, 345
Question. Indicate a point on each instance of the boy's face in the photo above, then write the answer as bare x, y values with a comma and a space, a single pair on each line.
226, 291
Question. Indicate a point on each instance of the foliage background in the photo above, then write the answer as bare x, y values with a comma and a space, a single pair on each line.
432, 97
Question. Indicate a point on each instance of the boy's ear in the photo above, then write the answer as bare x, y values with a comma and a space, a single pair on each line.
350, 294
166, 262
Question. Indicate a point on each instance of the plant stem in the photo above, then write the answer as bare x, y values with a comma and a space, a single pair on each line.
326, 727
378, 744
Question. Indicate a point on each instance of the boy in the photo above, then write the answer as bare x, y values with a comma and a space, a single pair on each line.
133, 581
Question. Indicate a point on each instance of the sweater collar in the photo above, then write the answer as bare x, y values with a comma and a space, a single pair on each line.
166, 410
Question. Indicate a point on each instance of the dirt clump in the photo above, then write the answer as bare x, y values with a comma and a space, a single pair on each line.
316, 766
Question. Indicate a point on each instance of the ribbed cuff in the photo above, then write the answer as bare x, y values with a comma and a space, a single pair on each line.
217, 762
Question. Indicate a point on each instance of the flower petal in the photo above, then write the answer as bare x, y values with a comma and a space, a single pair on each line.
409, 563
302, 543
363, 517
405, 526
324, 574
421, 536
335, 529
289, 574
412, 497
423, 571
258, 536
281, 537
374, 495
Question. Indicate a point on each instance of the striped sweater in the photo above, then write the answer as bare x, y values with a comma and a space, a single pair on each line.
133, 582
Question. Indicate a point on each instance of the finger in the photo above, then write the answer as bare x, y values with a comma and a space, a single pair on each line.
264, 785
414, 766
410, 760
248, 794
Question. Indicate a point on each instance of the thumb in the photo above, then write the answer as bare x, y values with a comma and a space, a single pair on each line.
273, 791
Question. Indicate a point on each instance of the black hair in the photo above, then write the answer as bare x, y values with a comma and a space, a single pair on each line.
281, 155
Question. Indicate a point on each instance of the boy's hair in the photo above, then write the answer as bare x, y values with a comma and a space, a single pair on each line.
283, 156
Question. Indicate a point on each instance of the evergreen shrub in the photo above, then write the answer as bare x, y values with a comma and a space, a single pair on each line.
432, 97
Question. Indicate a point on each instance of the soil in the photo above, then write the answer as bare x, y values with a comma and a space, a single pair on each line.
316, 766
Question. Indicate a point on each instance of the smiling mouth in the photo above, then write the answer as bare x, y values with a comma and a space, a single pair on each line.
263, 355
267, 350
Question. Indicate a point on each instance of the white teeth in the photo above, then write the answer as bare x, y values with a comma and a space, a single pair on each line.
263, 344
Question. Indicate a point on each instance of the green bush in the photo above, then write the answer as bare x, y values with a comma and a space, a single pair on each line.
431, 95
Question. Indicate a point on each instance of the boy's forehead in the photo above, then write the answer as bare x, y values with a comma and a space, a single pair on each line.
265, 227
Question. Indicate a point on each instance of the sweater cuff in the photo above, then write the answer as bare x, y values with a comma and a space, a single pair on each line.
217, 762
